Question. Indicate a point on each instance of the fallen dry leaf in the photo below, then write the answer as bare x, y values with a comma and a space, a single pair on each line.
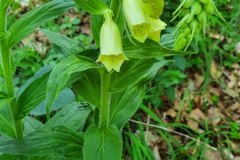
212, 155
231, 92
214, 116
195, 117
198, 80
171, 112
215, 73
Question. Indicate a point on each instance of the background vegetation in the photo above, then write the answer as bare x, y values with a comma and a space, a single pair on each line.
192, 107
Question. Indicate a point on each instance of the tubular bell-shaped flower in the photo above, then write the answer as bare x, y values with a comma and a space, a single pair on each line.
142, 17
111, 51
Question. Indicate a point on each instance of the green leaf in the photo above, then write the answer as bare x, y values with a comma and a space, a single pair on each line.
68, 45
61, 142
135, 71
18, 157
72, 116
4, 99
3, 95
31, 124
96, 24
124, 104
90, 53
131, 72
116, 7
92, 6
151, 73
66, 73
33, 92
33, 19
149, 49
89, 87
64, 98
6, 122
12, 157
167, 40
102, 143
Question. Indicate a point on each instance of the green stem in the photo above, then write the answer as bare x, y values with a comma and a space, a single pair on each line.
7, 72
105, 100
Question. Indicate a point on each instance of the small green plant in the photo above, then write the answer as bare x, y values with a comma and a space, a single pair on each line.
110, 78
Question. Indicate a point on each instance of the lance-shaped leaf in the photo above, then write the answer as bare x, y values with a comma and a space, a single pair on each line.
4, 99
124, 104
132, 71
33, 92
33, 19
92, 6
68, 45
64, 98
72, 116
6, 122
31, 125
66, 73
102, 143
61, 142
89, 87
149, 49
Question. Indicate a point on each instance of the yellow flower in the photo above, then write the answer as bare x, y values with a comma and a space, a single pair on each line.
111, 51
142, 17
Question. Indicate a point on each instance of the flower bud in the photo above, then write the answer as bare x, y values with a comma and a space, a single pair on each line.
196, 8
180, 44
111, 51
188, 3
187, 31
209, 8
142, 18
193, 25
202, 17
190, 18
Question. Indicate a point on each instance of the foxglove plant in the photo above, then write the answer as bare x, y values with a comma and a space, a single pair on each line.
112, 91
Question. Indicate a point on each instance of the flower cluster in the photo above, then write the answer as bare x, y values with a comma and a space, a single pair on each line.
194, 16
142, 18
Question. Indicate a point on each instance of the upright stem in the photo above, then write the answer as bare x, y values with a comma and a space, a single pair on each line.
6, 66
105, 100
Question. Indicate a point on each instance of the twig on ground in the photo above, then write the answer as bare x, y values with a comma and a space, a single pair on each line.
175, 132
